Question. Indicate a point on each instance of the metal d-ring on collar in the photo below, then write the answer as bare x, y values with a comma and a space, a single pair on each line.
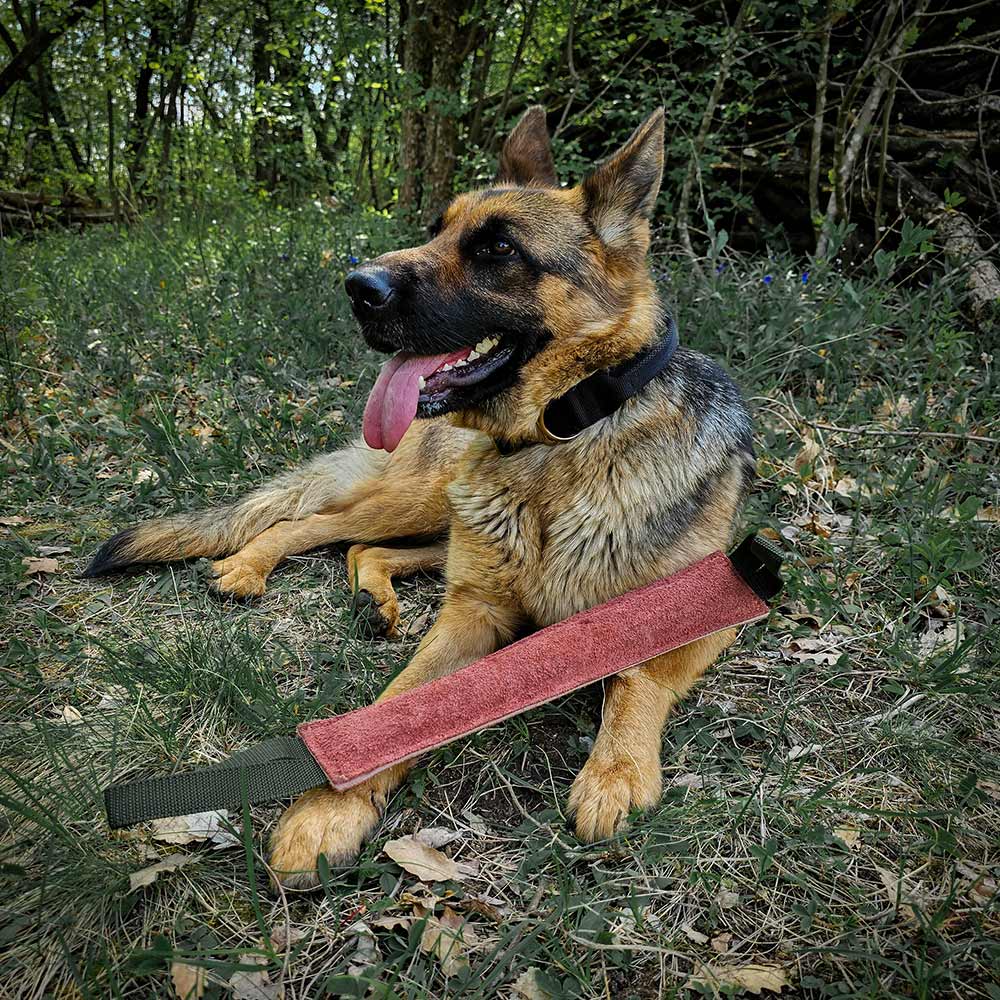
602, 393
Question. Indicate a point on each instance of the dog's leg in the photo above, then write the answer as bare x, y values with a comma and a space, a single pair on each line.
370, 571
380, 515
324, 821
623, 771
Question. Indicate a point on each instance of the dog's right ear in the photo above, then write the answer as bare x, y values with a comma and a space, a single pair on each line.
526, 157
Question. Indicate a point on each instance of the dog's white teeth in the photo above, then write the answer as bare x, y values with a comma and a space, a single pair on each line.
459, 364
447, 368
421, 383
472, 356
481, 347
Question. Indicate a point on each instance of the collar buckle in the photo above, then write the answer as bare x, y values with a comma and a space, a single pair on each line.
548, 437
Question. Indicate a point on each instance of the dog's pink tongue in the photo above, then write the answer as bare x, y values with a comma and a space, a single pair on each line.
392, 404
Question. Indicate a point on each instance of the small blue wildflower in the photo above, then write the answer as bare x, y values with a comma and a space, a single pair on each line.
282, 256
768, 279
805, 277
719, 268
352, 259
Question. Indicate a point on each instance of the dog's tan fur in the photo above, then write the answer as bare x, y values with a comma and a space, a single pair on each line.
534, 535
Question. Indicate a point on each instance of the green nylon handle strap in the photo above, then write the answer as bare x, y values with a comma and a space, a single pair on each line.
274, 769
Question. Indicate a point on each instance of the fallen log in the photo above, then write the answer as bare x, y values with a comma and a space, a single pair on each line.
960, 242
21, 210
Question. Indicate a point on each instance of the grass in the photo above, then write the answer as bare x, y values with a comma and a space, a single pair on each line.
831, 798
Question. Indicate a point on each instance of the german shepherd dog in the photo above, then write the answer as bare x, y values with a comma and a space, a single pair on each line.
524, 289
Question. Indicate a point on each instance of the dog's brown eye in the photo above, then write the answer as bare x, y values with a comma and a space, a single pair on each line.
497, 248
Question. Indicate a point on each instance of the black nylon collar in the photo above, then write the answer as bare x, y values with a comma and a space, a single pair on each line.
602, 393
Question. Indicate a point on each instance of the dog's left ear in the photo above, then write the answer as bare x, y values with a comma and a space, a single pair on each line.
621, 192
526, 157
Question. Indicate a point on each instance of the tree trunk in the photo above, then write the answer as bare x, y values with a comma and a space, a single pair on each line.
418, 64
260, 145
38, 43
138, 129
182, 41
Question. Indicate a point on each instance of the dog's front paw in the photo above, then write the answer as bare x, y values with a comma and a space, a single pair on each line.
608, 789
237, 578
322, 821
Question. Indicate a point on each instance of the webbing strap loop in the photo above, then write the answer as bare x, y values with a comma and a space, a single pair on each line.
274, 769
758, 561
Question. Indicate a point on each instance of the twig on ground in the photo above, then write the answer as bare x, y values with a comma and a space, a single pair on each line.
882, 432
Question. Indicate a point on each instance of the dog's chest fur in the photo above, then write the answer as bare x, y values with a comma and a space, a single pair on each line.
635, 497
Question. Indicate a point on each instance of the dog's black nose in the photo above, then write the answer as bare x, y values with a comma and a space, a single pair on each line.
369, 288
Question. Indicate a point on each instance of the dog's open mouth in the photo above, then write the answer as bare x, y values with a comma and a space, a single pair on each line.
412, 384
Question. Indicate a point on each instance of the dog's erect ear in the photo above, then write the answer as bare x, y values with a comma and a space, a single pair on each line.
526, 157
623, 189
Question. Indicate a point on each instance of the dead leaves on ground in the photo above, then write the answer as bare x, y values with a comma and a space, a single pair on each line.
212, 826
189, 981
447, 931
756, 978
530, 985
250, 983
39, 565
447, 938
427, 863
147, 876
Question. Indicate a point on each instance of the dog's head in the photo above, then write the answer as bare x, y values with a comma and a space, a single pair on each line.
523, 289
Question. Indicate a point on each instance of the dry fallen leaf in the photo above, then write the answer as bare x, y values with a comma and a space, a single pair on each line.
53, 550
812, 650
892, 411
391, 923
939, 603
720, 943
527, 985
254, 985
143, 476
419, 895
284, 936
484, 907
147, 876
188, 980
990, 788
896, 892
849, 836
365, 952
427, 863
727, 899
34, 566
211, 826
982, 887
985, 514
807, 454
437, 836
754, 978
418, 624
70, 715
14, 520
689, 780
939, 637
446, 938
692, 935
